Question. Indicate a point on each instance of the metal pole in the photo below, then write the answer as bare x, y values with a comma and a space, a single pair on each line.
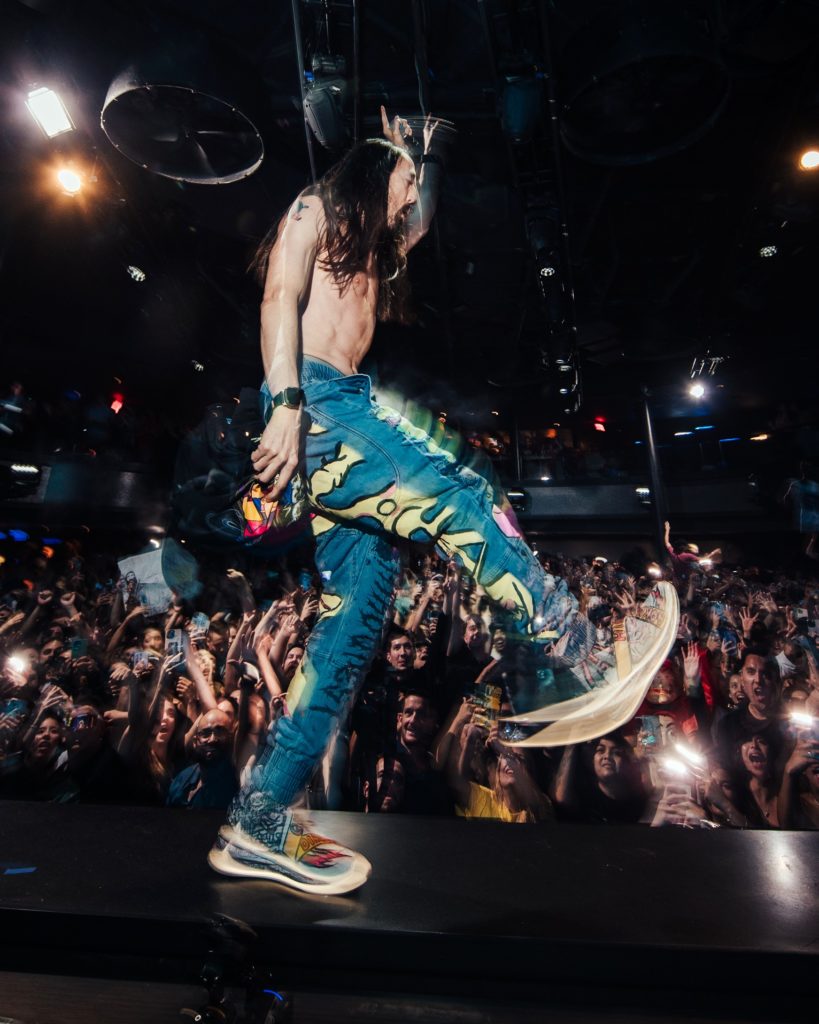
300, 60
356, 77
517, 452
658, 498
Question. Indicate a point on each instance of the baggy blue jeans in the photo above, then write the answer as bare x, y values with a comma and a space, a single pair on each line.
371, 477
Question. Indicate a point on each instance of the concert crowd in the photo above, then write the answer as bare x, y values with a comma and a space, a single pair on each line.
107, 699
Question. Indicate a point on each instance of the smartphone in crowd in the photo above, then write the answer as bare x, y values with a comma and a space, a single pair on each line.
79, 647
200, 622
140, 658
173, 642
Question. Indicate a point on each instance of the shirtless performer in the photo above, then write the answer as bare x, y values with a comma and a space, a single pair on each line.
337, 263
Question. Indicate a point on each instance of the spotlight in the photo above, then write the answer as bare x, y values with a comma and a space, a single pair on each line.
69, 180
136, 273
49, 112
683, 433
654, 571
767, 251
809, 160
24, 469
696, 390
760, 437
548, 272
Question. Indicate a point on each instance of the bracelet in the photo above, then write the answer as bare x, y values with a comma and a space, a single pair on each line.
290, 398
431, 158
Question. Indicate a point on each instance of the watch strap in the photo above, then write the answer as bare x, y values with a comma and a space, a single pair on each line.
290, 398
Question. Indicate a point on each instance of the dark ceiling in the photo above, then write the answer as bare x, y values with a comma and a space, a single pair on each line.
679, 124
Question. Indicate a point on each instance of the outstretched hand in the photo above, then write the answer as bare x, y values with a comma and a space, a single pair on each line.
397, 131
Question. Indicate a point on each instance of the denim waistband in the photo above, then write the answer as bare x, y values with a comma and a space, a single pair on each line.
317, 369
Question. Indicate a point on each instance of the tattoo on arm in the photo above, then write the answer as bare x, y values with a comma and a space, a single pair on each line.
301, 206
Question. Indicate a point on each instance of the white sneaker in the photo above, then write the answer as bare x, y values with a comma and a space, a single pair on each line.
297, 857
615, 678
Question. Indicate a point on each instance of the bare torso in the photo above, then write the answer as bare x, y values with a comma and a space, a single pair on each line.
336, 328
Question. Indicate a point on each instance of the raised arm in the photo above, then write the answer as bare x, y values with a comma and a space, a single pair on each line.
399, 132
289, 272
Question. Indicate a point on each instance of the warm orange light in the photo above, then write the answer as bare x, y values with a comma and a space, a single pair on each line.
809, 160
69, 180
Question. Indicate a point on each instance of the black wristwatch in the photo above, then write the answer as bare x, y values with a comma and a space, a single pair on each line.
290, 398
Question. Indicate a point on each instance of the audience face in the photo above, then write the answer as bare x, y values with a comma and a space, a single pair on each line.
292, 660
389, 787
166, 724
722, 777
511, 766
153, 640
45, 741
207, 663
755, 756
735, 690
50, 651
474, 637
400, 654
758, 686
416, 722
421, 656
499, 641
217, 640
212, 737
609, 760
665, 687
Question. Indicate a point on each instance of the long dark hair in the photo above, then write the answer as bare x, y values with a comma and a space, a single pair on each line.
354, 194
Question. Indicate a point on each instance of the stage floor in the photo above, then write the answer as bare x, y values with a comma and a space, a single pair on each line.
583, 917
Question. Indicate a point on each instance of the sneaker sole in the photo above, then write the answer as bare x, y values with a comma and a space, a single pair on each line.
222, 862
575, 705
602, 710
277, 867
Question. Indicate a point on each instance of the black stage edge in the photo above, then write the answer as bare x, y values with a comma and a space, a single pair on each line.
649, 922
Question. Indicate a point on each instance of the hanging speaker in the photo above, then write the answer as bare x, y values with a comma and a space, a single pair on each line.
186, 114
640, 82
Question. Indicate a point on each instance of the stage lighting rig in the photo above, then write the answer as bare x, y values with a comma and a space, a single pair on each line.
49, 111
324, 98
70, 181
702, 366
809, 160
